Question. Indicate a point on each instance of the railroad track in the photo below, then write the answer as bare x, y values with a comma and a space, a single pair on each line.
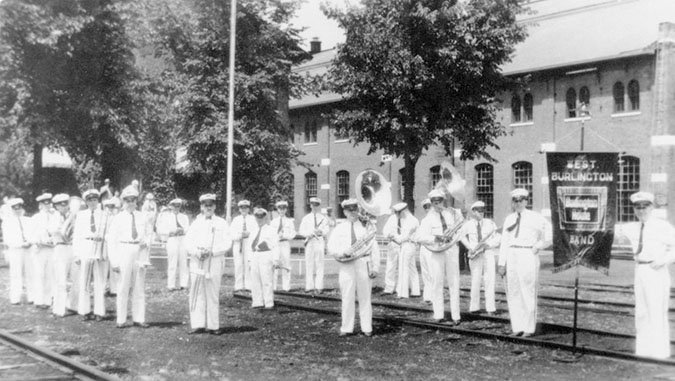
555, 336
21, 360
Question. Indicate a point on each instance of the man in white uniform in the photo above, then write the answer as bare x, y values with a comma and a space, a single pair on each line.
653, 241
314, 226
15, 233
129, 232
264, 255
207, 240
173, 225
425, 259
61, 230
523, 237
285, 228
241, 246
356, 276
43, 253
110, 210
480, 237
401, 228
444, 263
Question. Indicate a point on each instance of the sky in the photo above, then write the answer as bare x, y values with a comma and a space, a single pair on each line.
318, 25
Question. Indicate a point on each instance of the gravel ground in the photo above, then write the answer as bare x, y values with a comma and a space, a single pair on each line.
287, 345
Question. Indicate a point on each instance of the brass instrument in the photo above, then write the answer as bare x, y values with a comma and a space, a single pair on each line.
448, 239
453, 186
481, 246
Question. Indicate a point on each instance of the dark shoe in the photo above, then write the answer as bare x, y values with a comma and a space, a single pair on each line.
443, 320
474, 312
215, 332
516, 334
385, 293
141, 325
528, 334
491, 313
99, 318
172, 289
196, 331
87, 317
123, 325
16, 304
456, 322
345, 334
368, 334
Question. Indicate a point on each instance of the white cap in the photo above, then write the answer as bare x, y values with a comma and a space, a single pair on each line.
207, 197
176, 201
244, 203
315, 200
478, 204
44, 197
642, 197
436, 194
259, 212
114, 201
90, 192
426, 201
129, 191
349, 202
399, 207
15, 201
59, 198
519, 193
281, 203
149, 196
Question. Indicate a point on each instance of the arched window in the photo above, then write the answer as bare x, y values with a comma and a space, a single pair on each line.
310, 131
342, 182
485, 187
527, 107
435, 173
571, 101
515, 109
619, 101
629, 183
522, 178
310, 189
584, 96
634, 95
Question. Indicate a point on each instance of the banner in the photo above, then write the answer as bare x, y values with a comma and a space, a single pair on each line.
582, 188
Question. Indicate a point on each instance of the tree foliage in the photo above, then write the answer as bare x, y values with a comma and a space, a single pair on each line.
419, 73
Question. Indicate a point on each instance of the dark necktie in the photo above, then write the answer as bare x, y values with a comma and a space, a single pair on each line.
353, 234
23, 237
479, 233
642, 229
398, 225
92, 222
515, 226
443, 223
134, 232
315, 224
178, 225
244, 217
281, 224
256, 239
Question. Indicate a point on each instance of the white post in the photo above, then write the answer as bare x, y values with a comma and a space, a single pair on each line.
230, 117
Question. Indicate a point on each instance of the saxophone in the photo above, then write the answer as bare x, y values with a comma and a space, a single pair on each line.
360, 248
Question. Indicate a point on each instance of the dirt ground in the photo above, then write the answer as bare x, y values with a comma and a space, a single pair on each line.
282, 344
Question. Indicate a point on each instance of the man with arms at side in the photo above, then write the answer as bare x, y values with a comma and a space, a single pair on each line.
314, 227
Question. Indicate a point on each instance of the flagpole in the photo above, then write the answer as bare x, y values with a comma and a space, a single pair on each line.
230, 116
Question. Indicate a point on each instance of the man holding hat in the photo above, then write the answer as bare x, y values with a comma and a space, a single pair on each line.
356, 276
446, 262
206, 241
401, 228
241, 227
264, 255
480, 236
173, 225
15, 233
130, 234
523, 236
314, 227
285, 228
653, 242
40, 282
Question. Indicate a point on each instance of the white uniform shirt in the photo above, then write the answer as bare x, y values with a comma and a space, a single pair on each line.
16, 231
120, 228
311, 222
531, 234
287, 231
658, 240
168, 224
269, 236
83, 237
237, 226
211, 234
409, 226
470, 233
341, 238
41, 234
431, 224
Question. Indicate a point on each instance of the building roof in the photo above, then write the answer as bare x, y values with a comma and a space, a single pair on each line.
560, 34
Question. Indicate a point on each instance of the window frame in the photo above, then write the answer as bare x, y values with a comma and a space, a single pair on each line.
627, 184
619, 95
485, 187
311, 188
522, 177
341, 191
634, 95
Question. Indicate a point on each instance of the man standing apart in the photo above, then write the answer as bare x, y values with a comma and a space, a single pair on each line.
241, 248
207, 240
481, 238
265, 254
173, 225
314, 227
401, 229
285, 228
653, 242
522, 239
43, 252
15, 233
355, 277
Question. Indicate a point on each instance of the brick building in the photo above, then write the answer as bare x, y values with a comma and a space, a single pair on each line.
601, 74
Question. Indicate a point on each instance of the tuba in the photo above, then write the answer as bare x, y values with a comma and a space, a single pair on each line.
373, 193
453, 186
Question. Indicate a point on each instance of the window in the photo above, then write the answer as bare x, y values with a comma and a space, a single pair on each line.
310, 189
485, 187
634, 95
286, 184
629, 183
618, 97
522, 178
340, 136
527, 107
571, 100
515, 109
310, 132
401, 183
435, 173
342, 182
584, 97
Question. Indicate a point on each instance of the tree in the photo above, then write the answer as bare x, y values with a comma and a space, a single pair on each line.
423, 72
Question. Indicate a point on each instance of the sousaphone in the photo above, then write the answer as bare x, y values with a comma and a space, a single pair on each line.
453, 186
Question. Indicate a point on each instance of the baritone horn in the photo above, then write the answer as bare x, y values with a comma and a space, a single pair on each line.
453, 186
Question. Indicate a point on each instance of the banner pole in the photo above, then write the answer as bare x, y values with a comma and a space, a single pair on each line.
576, 304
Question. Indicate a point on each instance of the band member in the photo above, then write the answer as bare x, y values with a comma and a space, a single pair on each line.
42, 253
173, 225
401, 229
106, 192
207, 240
88, 248
444, 263
314, 227
264, 257
241, 247
391, 271
15, 233
285, 228
522, 239
129, 233
425, 260
356, 276
111, 207
61, 229
480, 236
653, 242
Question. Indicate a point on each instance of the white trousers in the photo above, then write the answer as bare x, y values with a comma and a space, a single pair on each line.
285, 261
425, 264
652, 295
65, 272
445, 265
131, 281
29, 278
177, 262
314, 252
408, 278
355, 285
522, 277
242, 271
205, 278
17, 258
42, 275
391, 270
483, 269
91, 270
262, 277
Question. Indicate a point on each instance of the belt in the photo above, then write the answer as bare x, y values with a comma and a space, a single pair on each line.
94, 239
131, 242
521, 247
63, 243
639, 262
176, 235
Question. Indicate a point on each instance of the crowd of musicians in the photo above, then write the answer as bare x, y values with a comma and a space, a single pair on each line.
74, 251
